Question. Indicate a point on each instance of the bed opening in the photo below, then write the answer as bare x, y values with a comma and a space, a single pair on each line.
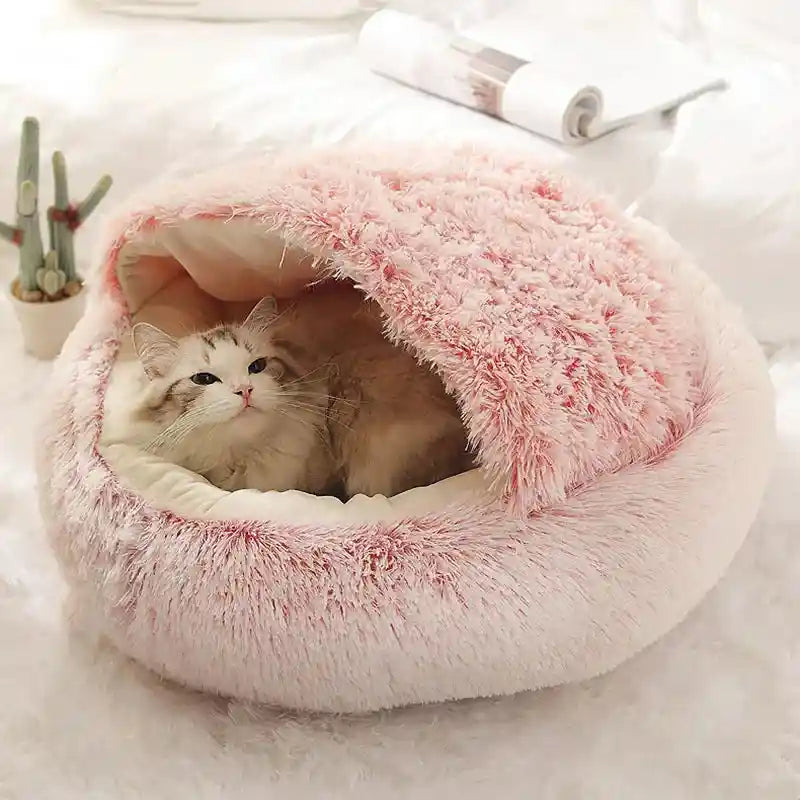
190, 277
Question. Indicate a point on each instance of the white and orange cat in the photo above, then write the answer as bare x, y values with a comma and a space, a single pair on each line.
313, 398
229, 405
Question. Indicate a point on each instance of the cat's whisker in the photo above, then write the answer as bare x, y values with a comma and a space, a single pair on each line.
320, 413
303, 404
317, 432
184, 328
339, 424
185, 423
263, 328
304, 378
330, 397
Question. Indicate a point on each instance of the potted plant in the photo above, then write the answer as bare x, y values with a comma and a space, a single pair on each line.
47, 294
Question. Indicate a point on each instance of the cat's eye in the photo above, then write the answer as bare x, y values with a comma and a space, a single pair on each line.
259, 365
204, 378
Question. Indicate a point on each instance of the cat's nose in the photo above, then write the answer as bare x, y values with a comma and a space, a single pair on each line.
245, 393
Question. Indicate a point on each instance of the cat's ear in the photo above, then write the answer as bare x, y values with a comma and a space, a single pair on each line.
262, 315
156, 350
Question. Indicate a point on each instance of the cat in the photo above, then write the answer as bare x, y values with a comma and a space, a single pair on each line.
313, 398
232, 405
391, 424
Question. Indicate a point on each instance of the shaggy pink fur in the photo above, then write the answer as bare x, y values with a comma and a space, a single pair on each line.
567, 344
608, 389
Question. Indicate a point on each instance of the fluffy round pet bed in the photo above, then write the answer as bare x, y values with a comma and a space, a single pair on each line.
621, 414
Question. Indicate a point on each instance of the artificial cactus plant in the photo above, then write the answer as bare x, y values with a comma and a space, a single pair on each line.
51, 275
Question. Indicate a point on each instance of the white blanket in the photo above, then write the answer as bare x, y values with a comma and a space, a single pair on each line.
711, 711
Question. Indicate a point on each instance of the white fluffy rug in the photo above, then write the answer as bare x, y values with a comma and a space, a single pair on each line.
712, 711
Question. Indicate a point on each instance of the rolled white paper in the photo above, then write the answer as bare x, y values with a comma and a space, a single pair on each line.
487, 69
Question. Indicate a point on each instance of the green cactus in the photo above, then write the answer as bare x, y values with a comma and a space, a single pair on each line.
53, 275
27, 234
50, 279
65, 218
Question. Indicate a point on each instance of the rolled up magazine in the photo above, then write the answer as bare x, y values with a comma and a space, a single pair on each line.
572, 91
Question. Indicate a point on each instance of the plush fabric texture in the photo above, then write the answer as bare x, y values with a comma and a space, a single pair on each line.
613, 396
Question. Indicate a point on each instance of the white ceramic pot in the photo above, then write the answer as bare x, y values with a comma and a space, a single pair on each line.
45, 326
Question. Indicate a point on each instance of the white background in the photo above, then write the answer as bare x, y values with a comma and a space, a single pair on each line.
711, 711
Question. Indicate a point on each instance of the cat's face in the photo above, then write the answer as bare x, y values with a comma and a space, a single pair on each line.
231, 374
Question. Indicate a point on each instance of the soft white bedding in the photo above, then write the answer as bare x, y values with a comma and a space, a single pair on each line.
727, 189
711, 711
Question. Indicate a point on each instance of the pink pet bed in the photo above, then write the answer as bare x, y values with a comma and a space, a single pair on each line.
621, 414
